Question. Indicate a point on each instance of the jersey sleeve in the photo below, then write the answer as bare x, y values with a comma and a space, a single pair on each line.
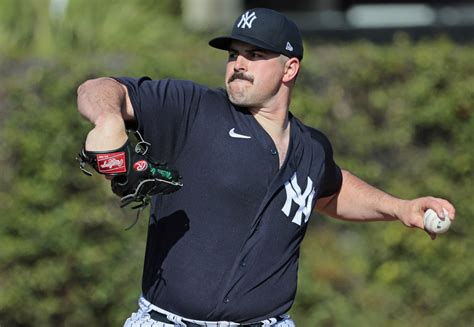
332, 179
164, 111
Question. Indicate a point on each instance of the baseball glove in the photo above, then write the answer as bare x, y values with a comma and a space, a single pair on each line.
135, 175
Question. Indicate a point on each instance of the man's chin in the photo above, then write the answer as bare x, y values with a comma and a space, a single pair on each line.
236, 98
238, 102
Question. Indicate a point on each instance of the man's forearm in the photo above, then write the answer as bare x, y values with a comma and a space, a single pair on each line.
359, 201
101, 101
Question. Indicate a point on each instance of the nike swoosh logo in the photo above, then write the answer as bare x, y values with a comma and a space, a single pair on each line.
233, 134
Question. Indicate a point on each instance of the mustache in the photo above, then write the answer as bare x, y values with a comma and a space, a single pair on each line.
240, 75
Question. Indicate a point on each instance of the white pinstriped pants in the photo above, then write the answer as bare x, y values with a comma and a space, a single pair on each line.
141, 318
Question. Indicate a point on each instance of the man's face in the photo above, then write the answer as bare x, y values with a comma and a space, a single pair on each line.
253, 75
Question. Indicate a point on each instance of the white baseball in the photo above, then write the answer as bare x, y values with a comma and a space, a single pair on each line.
435, 224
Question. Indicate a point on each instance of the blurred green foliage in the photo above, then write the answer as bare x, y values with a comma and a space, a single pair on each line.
398, 115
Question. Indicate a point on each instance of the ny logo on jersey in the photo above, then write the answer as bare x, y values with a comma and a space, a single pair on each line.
303, 200
247, 20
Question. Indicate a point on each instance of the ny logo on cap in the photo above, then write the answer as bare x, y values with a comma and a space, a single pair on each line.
247, 20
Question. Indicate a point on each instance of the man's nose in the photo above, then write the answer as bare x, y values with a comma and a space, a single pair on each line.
240, 64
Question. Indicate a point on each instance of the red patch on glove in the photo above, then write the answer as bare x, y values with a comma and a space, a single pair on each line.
140, 165
111, 163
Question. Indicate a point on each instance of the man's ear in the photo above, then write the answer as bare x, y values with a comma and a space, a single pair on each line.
292, 67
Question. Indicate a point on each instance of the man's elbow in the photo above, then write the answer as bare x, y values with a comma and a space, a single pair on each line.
83, 92
91, 85
92, 93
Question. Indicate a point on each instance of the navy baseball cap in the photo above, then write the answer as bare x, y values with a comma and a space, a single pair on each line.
266, 29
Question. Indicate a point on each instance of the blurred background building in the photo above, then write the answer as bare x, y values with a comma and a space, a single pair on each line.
347, 19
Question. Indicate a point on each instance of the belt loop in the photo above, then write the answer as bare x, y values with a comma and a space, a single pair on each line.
176, 319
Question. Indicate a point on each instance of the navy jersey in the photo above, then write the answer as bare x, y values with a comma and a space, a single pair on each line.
226, 245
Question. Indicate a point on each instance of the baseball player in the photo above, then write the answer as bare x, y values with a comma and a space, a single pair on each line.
239, 176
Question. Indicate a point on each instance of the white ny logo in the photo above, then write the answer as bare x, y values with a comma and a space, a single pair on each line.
247, 20
305, 200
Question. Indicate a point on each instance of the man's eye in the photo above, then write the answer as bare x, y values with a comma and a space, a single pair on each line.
232, 55
256, 55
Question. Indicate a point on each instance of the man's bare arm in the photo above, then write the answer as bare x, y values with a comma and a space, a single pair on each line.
359, 201
106, 104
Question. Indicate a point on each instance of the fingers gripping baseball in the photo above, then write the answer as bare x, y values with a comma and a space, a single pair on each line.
412, 213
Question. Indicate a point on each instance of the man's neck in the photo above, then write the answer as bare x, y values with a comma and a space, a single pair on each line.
277, 125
